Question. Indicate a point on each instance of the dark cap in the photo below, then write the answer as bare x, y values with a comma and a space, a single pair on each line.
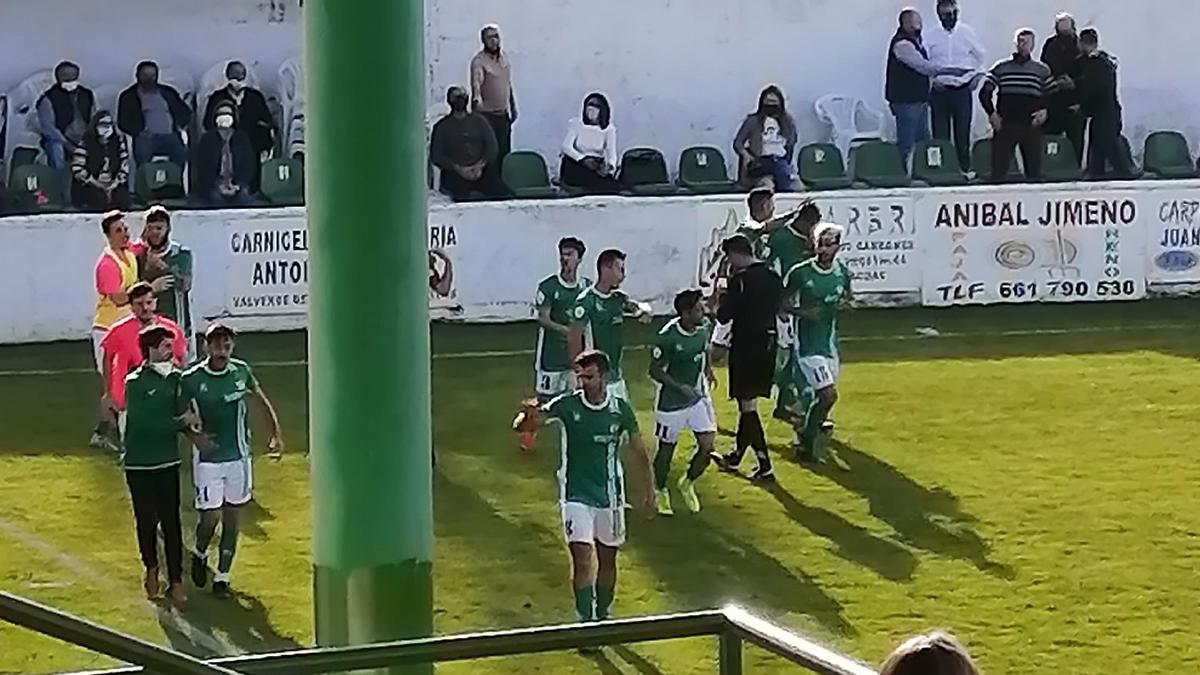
218, 330
1089, 35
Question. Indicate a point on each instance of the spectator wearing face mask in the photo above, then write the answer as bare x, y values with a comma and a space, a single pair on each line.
1096, 87
954, 43
1061, 53
64, 112
225, 163
100, 167
765, 142
154, 114
589, 151
251, 113
463, 146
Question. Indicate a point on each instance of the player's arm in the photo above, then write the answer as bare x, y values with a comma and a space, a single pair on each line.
187, 417
579, 320
542, 305
658, 371
730, 300
108, 283
642, 311
848, 292
184, 274
639, 456
275, 445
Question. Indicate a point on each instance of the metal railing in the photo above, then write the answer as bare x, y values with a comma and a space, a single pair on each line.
732, 626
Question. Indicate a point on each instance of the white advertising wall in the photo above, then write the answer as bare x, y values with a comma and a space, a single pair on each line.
939, 247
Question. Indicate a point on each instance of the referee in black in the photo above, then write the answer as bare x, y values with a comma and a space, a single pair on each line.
751, 302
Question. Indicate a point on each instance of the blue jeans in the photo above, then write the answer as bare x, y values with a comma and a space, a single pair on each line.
778, 168
953, 108
60, 163
912, 127
148, 146
240, 198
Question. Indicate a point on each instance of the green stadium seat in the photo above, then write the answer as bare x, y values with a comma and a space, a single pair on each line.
981, 162
525, 173
936, 163
1058, 160
644, 172
822, 167
22, 156
702, 171
33, 188
1167, 155
878, 164
282, 182
159, 182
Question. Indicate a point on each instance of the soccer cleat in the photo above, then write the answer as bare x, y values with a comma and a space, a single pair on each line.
662, 501
727, 463
688, 490
827, 426
221, 589
199, 571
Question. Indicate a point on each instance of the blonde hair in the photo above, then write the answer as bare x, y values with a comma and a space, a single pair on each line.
936, 653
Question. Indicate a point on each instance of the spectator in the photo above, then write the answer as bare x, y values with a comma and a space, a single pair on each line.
100, 167
1097, 91
766, 141
954, 43
1061, 54
463, 146
936, 653
153, 114
1018, 116
492, 91
907, 82
589, 151
64, 112
167, 266
252, 114
115, 273
225, 162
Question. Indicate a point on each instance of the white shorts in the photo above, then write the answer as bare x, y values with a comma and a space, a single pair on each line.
820, 372
785, 331
619, 389
700, 418
722, 335
554, 383
222, 483
583, 524
98, 353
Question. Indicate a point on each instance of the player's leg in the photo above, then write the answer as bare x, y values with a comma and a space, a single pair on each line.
821, 374
610, 536
702, 420
103, 429
579, 528
238, 491
141, 494
667, 427
210, 497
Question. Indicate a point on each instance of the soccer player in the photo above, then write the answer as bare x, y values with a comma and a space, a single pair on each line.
168, 265
815, 290
598, 318
556, 296
679, 364
595, 424
116, 270
751, 306
218, 388
156, 414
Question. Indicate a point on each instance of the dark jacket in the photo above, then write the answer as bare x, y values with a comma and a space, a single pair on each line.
129, 110
208, 160
253, 116
902, 83
1096, 86
64, 110
1061, 54
462, 141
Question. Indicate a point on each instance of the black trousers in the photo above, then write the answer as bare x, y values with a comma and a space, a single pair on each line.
501, 125
574, 174
155, 495
1067, 122
90, 198
1106, 150
489, 185
1006, 140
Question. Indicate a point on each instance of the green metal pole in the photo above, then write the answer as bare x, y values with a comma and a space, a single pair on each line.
368, 322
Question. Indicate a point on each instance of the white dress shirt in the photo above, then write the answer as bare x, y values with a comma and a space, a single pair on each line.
589, 140
958, 48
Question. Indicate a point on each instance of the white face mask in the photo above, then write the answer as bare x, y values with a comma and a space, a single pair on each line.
591, 114
224, 121
164, 368
104, 130
236, 85
71, 86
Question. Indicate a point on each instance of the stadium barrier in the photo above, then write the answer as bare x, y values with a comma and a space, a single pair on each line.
931, 246
732, 626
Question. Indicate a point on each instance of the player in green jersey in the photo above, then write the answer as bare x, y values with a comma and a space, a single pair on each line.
594, 424
816, 290
556, 296
679, 364
167, 266
598, 318
218, 389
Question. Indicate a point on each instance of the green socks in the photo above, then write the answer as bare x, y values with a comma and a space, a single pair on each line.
585, 599
227, 547
604, 600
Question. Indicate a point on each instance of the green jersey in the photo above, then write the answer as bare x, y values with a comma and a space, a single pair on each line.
810, 287
603, 318
173, 304
785, 248
153, 403
558, 297
754, 231
684, 357
592, 435
220, 396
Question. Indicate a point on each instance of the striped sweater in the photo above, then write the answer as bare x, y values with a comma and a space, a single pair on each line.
1022, 84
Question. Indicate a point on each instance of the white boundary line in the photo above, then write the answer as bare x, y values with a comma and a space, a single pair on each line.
907, 337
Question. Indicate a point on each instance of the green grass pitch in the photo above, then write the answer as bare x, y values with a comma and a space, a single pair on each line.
1027, 479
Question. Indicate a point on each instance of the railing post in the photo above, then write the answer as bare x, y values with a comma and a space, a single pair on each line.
729, 656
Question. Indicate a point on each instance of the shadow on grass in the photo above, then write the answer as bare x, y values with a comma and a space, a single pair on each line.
639, 662
926, 518
241, 620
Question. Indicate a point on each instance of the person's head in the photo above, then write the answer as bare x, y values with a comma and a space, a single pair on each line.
489, 35
1024, 42
596, 111
66, 74
936, 653
112, 224
219, 340
689, 307
102, 125
235, 75
738, 251
610, 268
807, 217
1064, 24
457, 99
1089, 41
910, 21
570, 252
827, 241
771, 101
947, 11
224, 115
158, 226
155, 342
142, 302
761, 203
591, 367
147, 74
